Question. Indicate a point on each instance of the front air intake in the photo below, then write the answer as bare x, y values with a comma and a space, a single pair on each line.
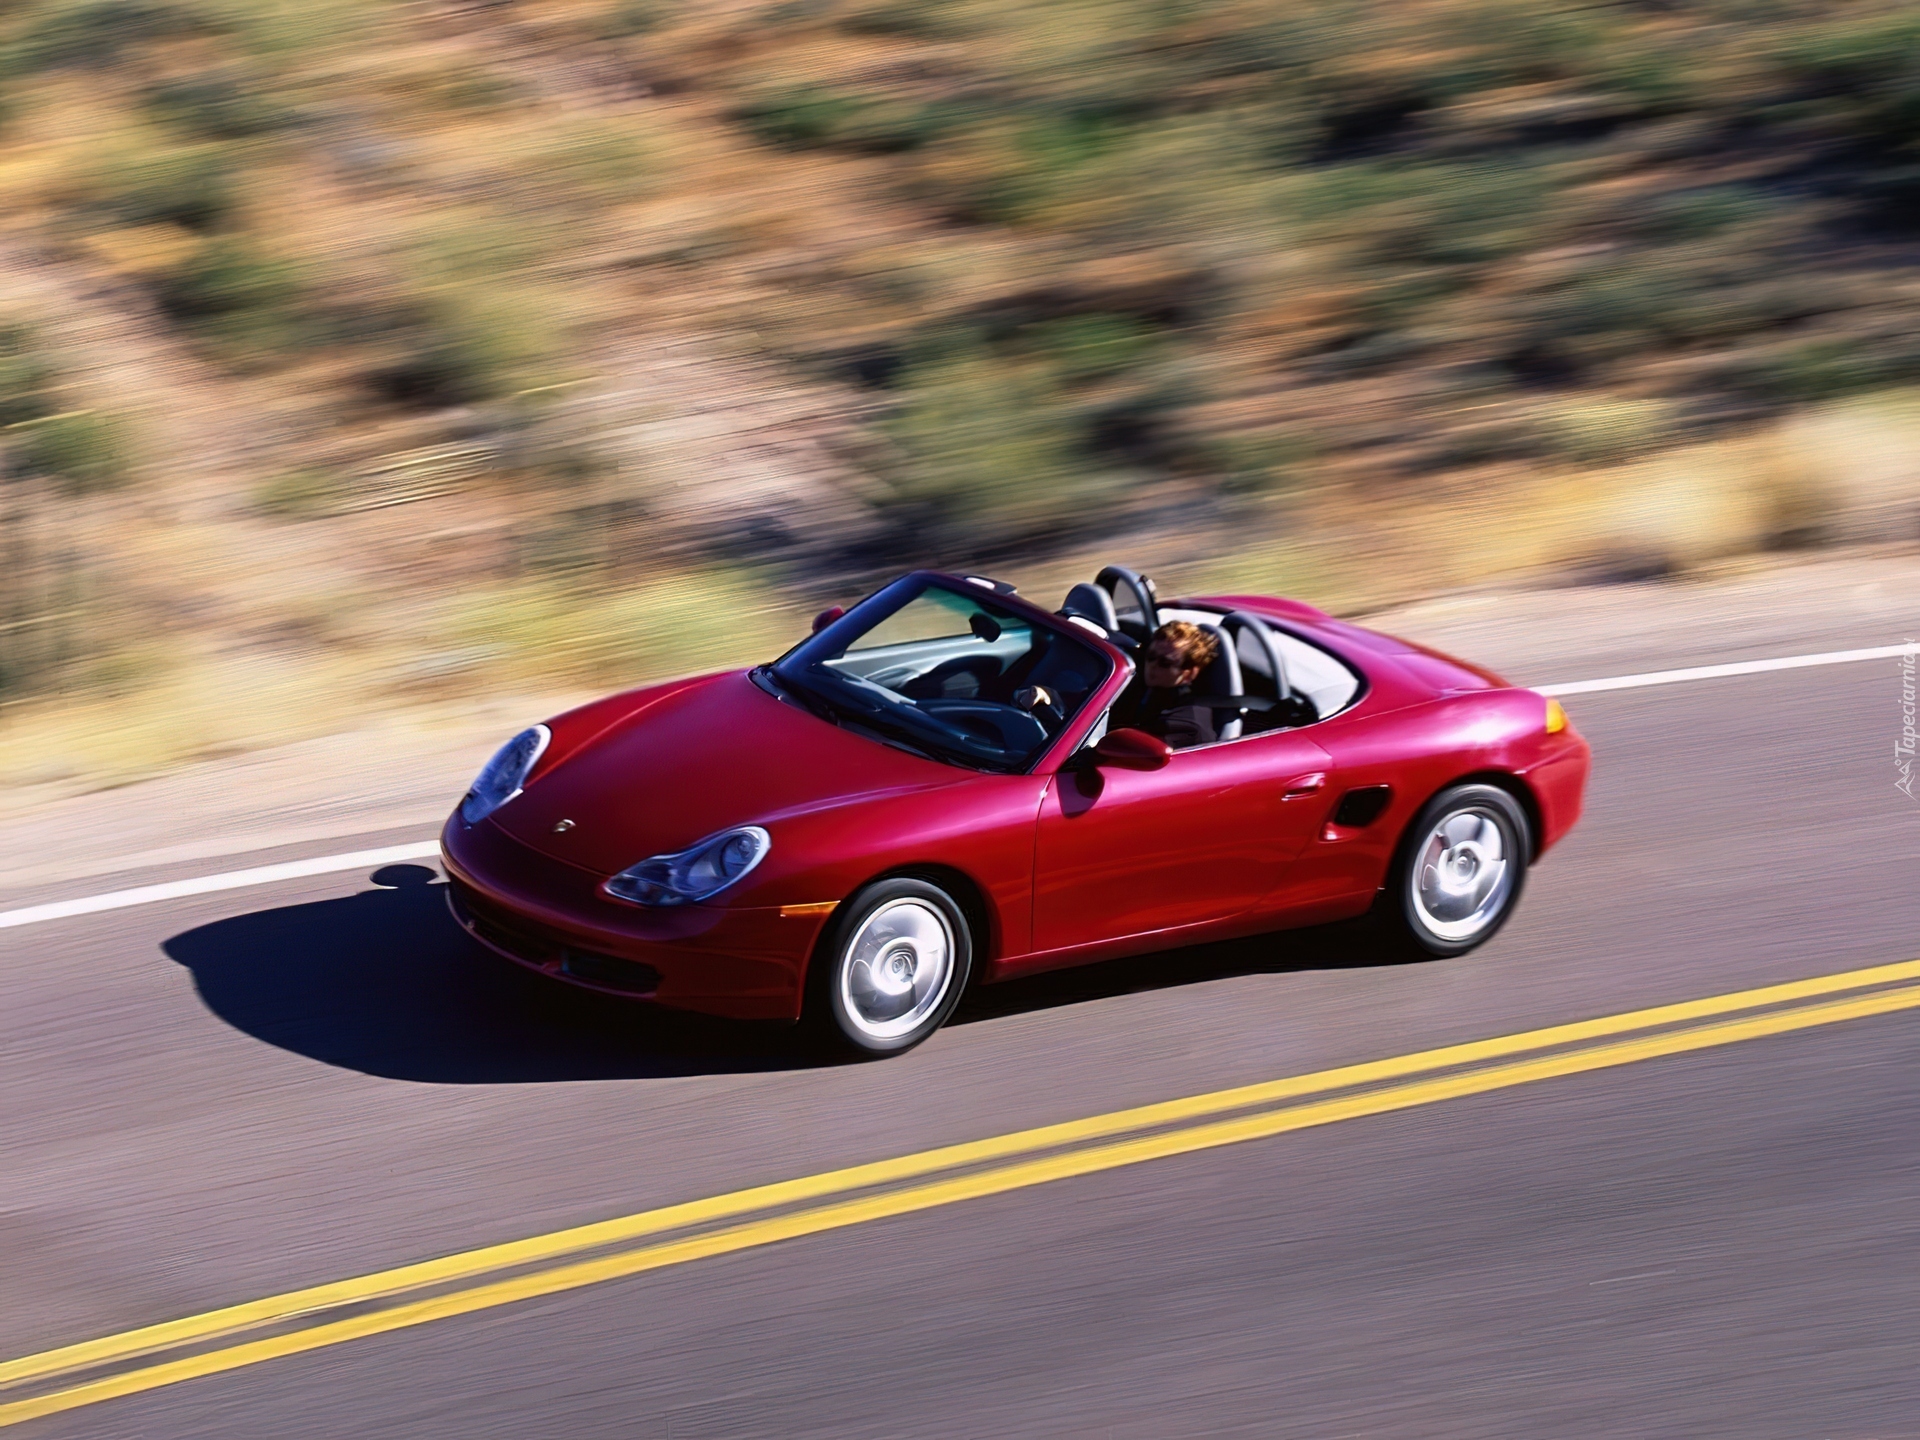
611, 972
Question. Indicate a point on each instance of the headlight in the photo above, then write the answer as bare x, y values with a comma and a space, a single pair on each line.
694, 874
501, 777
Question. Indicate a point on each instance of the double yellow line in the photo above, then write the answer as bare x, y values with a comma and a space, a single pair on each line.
300, 1320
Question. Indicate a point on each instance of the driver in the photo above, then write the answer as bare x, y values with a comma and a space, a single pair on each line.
1160, 698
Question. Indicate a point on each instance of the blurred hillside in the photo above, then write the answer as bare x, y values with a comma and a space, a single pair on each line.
357, 352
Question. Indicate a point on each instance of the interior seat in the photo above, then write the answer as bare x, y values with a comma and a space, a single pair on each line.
1261, 664
1221, 677
961, 678
1264, 668
1135, 600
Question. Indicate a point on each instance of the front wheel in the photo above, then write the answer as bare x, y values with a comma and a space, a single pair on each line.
1461, 869
891, 967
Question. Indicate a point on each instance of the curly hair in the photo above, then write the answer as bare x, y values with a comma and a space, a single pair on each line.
1195, 647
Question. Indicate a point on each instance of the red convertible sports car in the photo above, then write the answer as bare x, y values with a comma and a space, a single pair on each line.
926, 794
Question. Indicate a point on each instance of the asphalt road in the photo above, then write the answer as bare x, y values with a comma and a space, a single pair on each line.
221, 1098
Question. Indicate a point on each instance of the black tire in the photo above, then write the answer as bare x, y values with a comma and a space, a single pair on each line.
866, 967
1420, 893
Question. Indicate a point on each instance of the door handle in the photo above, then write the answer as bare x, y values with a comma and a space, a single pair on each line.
1303, 785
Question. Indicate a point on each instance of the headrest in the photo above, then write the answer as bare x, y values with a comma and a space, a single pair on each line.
1222, 673
1222, 677
1090, 602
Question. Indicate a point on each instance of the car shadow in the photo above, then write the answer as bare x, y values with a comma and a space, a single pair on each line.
1349, 945
384, 982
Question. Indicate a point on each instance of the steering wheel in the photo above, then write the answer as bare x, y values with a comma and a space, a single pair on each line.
1006, 726
1139, 587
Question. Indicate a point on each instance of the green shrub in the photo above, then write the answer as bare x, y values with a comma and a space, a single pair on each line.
1828, 368
25, 378
1528, 42
1044, 164
457, 344
1606, 431
478, 247
1658, 76
286, 32
241, 302
1631, 300
1871, 65
50, 593
990, 452
471, 87
187, 185
1092, 347
637, 17
803, 116
298, 494
598, 161
554, 627
917, 19
1404, 214
218, 104
99, 32
83, 450
1488, 442
1257, 462
1695, 214
914, 20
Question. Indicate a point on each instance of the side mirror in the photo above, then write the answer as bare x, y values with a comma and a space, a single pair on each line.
827, 617
1132, 750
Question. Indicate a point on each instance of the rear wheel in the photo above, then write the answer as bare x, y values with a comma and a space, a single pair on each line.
891, 967
1461, 868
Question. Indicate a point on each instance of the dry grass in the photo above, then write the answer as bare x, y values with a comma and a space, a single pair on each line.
1846, 471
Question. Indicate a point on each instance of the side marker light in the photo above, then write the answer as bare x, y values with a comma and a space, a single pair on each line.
814, 907
1556, 717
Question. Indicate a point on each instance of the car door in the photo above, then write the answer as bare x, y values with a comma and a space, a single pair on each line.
1127, 852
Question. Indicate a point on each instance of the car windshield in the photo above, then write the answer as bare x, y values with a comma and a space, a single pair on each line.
948, 672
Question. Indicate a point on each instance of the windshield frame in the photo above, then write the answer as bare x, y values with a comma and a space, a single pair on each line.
795, 671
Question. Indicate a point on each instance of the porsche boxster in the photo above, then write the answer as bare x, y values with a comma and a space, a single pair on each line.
927, 793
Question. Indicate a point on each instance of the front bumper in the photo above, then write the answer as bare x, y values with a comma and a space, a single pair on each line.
1559, 783
746, 963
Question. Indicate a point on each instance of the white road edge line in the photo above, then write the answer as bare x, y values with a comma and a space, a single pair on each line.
430, 849
1737, 667
208, 884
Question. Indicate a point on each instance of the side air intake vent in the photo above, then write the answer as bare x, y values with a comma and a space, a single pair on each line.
1362, 807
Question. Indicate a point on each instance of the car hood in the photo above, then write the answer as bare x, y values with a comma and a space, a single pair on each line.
719, 753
